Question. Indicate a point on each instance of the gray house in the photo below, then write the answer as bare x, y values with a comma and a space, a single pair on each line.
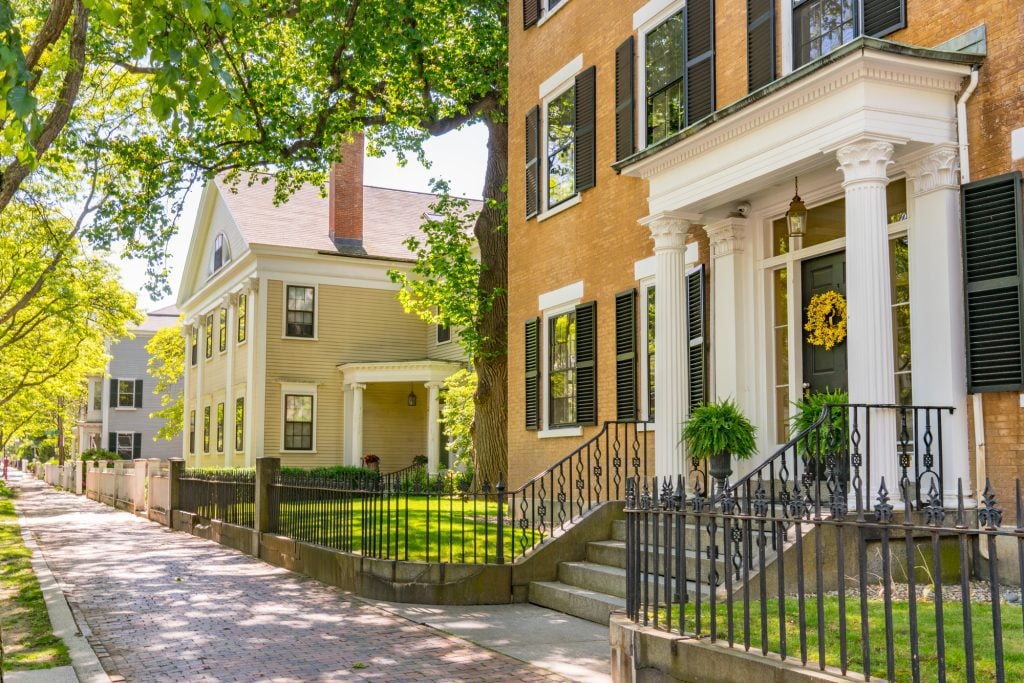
116, 415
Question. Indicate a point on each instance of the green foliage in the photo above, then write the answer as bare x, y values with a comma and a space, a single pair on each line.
809, 409
353, 476
5, 490
26, 452
167, 365
457, 413
720, 427
98, 454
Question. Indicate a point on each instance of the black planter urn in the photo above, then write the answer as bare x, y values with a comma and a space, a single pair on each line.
721, 468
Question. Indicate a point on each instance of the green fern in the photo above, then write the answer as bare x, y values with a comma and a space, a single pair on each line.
720, 427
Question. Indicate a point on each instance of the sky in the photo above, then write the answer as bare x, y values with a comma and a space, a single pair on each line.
459, 157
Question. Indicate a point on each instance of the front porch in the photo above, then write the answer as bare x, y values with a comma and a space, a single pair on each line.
872, 135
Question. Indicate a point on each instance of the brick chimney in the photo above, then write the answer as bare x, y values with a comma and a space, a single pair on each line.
346, 195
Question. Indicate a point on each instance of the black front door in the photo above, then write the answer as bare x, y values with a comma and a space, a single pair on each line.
823, 370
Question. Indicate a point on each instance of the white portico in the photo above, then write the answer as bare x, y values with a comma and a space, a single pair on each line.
871, 132
426, 374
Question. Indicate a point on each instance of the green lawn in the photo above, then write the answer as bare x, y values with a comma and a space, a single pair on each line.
955, 657
28, 640
415, 528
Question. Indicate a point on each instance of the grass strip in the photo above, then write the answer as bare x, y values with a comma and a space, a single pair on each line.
28, 640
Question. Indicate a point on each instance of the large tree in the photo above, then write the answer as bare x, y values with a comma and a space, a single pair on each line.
234, 86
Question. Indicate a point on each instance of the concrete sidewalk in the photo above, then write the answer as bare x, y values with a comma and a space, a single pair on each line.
163, 605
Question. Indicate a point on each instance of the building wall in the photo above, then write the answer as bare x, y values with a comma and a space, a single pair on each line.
129, 360
354, 324
598, 240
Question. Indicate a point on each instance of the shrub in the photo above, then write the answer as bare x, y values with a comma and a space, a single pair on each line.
457, 416
354, 477
809, 410
5, 490
98, 454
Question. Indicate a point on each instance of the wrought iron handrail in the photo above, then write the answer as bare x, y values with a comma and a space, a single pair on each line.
588, 476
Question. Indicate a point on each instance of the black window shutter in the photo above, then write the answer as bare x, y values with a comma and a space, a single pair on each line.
625, 356
136, 445
625, 99
112, 442
531, 13
586, 363
532, 162
992, 225
586, 133
700, 59
532, 385
696, 335
138, 393
760, 43
113, 393
882, 17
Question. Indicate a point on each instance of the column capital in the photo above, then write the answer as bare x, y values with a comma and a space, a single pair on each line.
669, 229
356, 386
434, 385
937, 169
727, 236
865, 161
250, 285
229, 299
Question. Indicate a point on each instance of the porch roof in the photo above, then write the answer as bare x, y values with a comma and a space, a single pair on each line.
425, 370
866, 88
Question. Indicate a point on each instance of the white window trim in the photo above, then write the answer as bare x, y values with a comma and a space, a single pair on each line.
131, 449
96, 395
552, 304
284, 311
552, 88
664, 10
296, 389
119, 406
547, 13
225, 257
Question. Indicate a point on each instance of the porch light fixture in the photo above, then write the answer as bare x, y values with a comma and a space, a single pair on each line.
410, 400
796, 217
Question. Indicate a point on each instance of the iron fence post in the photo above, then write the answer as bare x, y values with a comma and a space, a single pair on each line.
500, 546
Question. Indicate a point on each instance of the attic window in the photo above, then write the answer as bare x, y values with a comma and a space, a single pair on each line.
220, 253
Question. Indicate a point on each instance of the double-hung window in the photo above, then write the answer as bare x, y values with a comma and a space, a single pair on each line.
125, 393
562, 369
664, 64
206, 429
298, 422
243, 303
194, 339
220, 427
209, 336
300, 311
192, 432
821, 26
561, 147
223, 346
649, 345
125, 445
239, 423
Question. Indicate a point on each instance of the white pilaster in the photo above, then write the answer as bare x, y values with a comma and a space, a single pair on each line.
357, 421
255, 331
669, 230
231, 303
186, 398
869, 302
938, 356
433, 426
200, 365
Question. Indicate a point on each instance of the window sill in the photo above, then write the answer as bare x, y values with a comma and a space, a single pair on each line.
126, 408
548, 13
284, 452
567, 204
558, 432
288, 337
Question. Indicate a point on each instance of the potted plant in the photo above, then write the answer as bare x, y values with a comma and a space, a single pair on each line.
835, 432
371, 461
716, 432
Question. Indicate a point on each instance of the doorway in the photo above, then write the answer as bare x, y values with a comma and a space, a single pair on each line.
823, 370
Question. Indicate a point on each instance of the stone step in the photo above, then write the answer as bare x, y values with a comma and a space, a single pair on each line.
692, 539
601, 578
613, 554
579, 602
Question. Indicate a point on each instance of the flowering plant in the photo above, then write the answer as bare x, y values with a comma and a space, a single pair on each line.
826, 319
370, 459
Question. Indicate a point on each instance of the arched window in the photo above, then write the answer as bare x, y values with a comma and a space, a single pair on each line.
221, 254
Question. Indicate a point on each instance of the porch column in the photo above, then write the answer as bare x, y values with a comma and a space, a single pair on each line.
254, 323
186, 400
938, 354
357, 422
433, 426
669, 230
869, 303
729, 308
231, 303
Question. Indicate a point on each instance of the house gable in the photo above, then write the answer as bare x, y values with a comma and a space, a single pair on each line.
214, 218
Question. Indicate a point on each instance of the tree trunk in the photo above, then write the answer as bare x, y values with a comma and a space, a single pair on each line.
490, 423
60, 432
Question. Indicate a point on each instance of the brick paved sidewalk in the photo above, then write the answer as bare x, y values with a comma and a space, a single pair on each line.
167, 606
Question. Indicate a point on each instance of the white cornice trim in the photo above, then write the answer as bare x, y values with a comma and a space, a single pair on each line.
398, 371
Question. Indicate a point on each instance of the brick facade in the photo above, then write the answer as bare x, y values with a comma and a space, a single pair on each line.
599, 240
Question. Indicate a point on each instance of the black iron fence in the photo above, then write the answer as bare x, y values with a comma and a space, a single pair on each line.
225, 495
887, 586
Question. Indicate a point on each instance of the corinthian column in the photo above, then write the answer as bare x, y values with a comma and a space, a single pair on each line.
669, 230
871, 366
938, 355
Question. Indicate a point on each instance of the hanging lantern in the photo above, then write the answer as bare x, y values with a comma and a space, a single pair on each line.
796, 217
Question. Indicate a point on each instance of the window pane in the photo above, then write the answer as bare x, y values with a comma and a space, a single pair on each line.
821, 26
899, 274
243, 301
562, 368
220, 427
239, 423
299, 314
650, 353
125, 445
780, 324
223, 329
299, 408
664, 64
561, 147
126, 393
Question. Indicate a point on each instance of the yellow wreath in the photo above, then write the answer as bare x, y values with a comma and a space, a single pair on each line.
826, 319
